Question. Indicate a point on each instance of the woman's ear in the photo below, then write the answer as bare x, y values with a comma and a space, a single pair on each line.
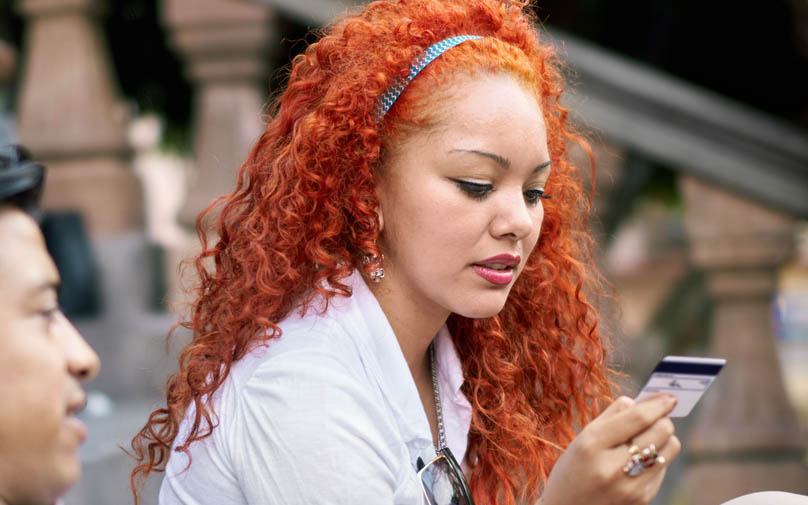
380, 217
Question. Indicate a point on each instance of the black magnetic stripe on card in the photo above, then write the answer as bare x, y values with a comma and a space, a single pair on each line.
688, 368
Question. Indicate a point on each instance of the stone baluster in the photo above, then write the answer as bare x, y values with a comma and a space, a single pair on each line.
225, 46
8, 61
747, 436
8, 67
71, 117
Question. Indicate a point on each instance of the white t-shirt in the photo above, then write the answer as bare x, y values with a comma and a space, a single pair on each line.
326, 414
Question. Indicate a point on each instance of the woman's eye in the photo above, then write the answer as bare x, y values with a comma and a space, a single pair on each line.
474, 189
534, 195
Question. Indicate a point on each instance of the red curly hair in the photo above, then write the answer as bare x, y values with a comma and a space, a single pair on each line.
303, 215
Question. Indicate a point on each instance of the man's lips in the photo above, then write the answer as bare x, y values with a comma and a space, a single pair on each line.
78, 427
74, 406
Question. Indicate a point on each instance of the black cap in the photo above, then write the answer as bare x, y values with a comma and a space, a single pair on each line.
21, 178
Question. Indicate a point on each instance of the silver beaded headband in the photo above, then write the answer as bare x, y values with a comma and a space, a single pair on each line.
390, 96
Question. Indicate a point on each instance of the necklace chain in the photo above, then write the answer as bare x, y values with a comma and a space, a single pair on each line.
436, 391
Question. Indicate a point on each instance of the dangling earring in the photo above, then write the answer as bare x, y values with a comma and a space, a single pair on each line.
377, 274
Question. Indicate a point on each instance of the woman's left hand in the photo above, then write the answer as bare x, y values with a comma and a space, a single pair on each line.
591, 470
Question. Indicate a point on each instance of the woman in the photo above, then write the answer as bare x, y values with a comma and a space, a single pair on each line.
399, 274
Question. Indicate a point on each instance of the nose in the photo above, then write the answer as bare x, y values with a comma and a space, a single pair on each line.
82, 361
515, 219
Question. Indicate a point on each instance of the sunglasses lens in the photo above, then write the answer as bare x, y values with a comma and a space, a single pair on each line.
442, 485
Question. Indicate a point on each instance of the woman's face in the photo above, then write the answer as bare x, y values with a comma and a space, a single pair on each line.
459, 203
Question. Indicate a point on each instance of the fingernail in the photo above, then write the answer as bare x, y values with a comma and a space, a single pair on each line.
672, 400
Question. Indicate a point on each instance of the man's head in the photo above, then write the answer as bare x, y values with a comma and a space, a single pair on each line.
42, 356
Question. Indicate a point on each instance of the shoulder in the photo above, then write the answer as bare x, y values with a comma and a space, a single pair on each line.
306, 408
324, 343
310, 348
313, 372
304, 383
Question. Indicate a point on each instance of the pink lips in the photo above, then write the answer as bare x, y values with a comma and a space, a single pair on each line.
494, 276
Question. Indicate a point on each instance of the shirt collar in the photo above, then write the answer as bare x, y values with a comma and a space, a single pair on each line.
393, 375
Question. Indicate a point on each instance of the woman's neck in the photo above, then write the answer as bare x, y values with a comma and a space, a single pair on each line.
414, 323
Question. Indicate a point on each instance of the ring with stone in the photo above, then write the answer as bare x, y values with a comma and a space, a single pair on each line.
641, 460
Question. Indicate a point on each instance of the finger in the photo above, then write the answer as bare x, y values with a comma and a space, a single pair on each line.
665, 457
627, 424
654, 482
655, 397
658, 434
618, 405
671, 450
650, 477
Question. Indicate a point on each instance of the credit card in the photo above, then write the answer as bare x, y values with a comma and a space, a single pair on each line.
685, 377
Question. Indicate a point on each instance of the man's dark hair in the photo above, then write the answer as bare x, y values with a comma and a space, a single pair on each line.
21, 178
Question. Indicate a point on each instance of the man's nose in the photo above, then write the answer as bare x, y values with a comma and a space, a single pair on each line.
82, 361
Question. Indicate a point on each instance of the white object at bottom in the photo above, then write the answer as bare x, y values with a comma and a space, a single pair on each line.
769, 498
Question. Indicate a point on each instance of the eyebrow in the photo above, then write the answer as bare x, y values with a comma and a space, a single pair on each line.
543, 166
499, 160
